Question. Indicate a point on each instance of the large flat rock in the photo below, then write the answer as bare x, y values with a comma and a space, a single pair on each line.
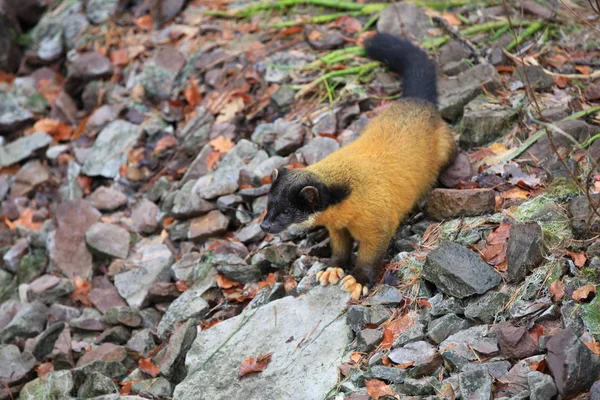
307, 337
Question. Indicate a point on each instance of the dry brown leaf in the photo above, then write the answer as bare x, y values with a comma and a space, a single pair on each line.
356, 357
58, 130
495, 252
213, 158
165, 143
515, 193
148, 367
251, 364
593, 346
348, 24
292, 31
557, 290
224, 283
315, 35
5, 77
401, 325
221, 144
561, 81
539, 366
126, 387
119, 57
405, 365
26, 220
584, 69
388, 339
85, 183
192, 94
585, 293
81, 291
255, 51
289, 284
44, 369
451, 19
144, 23
578, 258
377, 388
182, 286
228, 112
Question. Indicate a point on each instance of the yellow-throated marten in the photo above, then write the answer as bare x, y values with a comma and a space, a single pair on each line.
364, 190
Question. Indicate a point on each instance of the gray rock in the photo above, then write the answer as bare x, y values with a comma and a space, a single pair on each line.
141, 343
281, 137
110, 149
459, 272
595, 391
111, 369
385, 294
188, 204
23, 148
150, 263
267, 295
188, 305
108, 240
57, 385
283, 98
12, 116
497, 369
439, 329
179, 344
484, 122
417, 352
69, 254
533, 75
453, 51
475, 385
101, 117
160, 190
541, 386
318, 148
117, 335
10, 29
144, 216
49, 288
524, 250
389, 374
276, 256
214, 223
250, 233
14, 365
107, 199
225, 179
12, 258
158, 78
458, 348
155, 388
442, 307
443, 204
97, 385
28, 178
235, 268
420, 387
368, 339
456, 93
413, 334
123, 315
359, 316
213, 361
62, 313
195, 135
584, 221
404, 18
89, 320
28, 322
484, 309
280, 65
573, 366
99, 11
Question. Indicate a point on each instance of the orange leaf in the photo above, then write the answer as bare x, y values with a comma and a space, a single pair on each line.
561, 81
213, 158
388, 339
85, 183
593, 346
536, 333
405, 365
225, 283
356, 357
165, 143
192, 95
182, 286
539, 366
81, 291
584, 69
515, 193
377, 388
292, 31
289, 284
578, 258
221, 144
495, 252
144, 23
251, 365
557, 290
348, 24
585, 293
119, 57
401, 324
267, 180
44, 369
147, 366
168, 221
451, 19
126, 387
5, 77
58, 130
26, 220
80, 130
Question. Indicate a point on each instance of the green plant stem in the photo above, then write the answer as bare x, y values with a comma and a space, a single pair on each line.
531, 29
360, 70
321, 19
499, 33
591, 140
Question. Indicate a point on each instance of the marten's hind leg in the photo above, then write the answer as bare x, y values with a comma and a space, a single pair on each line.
341, 253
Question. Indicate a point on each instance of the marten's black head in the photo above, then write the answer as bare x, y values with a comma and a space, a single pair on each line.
297, 195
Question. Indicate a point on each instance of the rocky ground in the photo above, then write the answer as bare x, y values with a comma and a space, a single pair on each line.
137, 140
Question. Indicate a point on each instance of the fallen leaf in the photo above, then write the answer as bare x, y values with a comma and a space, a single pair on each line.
144, 23
165, 143
148, 367
251, 365
80, 130
585, 293
315, 36
119, 57
5, 77
126, 387
495, 251
81, 291
377, 388
451, 19
584, 69
255, 51
225, 283
191, 94
182, 286
221, 144
168, 221
578, 258
515, 193
539, 366
213, 158
58, 130
292, 31
85, 183
44, 369
228, 112
388, 339
26, 220
593, 346
557, 290
289, 284
405, 365
348, 24
401, 325
536, 333
356, 357
561, 81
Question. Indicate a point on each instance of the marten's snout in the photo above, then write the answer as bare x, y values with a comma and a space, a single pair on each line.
266, 226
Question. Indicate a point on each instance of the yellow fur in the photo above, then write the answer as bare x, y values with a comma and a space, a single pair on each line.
389, 169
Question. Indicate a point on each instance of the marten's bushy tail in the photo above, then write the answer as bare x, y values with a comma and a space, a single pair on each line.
402, 56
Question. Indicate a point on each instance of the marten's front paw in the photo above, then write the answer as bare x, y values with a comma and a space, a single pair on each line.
349, 284
330, 276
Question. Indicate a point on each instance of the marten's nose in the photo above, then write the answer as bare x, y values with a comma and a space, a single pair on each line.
265, 226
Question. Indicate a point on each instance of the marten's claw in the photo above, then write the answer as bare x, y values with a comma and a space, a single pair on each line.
349, 284
330, 276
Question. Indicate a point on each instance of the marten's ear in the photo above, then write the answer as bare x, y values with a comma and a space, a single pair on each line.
274, 175
311, 195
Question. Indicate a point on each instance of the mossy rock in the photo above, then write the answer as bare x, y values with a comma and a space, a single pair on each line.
32, 265
590, 314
